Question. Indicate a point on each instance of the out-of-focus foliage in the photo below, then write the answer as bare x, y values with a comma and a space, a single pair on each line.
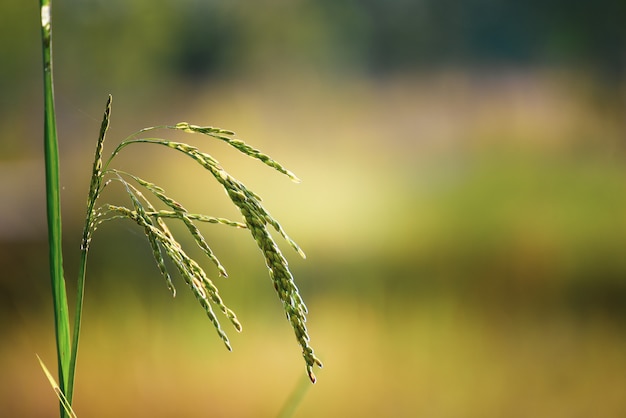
119, 41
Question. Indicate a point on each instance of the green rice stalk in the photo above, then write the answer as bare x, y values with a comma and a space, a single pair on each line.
95, 188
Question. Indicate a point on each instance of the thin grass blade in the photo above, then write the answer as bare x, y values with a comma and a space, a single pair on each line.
55, 386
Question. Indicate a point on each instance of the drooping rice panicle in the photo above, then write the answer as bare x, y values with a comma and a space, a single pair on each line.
269, 219
211, 289
226, 136
189, 269
283, 281
182, 214
235, 188
134, 193
152, 239
195, 277
186, 265
158, 257
257, 220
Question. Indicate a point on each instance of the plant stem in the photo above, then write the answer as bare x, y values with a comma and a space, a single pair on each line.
80, 294
53, 206
94, 192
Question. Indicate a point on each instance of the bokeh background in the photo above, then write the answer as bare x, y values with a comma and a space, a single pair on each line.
462, 205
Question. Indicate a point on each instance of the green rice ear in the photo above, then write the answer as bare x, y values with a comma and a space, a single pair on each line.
254, 216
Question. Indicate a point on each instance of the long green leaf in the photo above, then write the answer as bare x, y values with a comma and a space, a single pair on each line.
53, 206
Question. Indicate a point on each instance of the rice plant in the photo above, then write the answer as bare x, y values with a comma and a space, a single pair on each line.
142, 209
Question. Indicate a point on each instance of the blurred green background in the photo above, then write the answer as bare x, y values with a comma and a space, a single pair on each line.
463, 205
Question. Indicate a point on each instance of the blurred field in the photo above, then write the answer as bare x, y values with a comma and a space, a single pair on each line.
464, 261
439, 359
464, 225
